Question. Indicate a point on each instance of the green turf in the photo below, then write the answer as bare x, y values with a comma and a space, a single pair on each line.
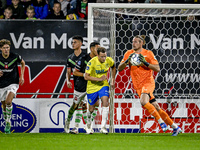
97, 141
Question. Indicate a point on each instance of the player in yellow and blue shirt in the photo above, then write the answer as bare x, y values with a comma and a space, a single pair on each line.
97, 85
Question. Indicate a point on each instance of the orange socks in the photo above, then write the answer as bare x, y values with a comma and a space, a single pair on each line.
165, 117
151, 109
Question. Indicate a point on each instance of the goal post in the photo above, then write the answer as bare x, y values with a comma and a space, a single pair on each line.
175, 41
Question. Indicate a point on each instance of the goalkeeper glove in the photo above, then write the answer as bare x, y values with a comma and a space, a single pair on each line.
129, 58
142, 59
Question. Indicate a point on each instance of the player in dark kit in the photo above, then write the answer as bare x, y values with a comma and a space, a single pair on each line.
80, 71
9, 79
71, 63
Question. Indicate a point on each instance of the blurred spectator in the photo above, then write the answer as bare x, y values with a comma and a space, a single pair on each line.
57, 13
71, 7
122, 1
103, 1
131, 1
1, 10
173, 1
26, 3
9, 2
3, 4
8, 13
41, 9
64, 4
30, 12
82, 9
153, 1
191, 18
191, 1
18, 10
50, 3
92, 1
72, 16
135, 1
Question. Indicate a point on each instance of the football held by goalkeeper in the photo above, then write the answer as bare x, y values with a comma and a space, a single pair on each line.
143, 81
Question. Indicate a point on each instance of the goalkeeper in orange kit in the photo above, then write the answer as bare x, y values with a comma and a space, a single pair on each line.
144, 84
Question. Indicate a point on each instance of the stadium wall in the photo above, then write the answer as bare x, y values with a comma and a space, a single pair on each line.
38, 115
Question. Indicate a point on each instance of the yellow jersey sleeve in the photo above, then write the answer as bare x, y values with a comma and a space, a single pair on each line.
89, 67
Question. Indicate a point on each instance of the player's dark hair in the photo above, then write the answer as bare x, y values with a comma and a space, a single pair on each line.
30, 7
56, 2
141, 37
8, 8
101, 49
93, 44
78, 37
4, 42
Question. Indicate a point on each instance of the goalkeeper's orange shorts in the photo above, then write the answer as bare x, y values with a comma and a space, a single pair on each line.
148, 89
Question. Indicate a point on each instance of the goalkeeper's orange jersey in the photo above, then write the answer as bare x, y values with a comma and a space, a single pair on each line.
141, 74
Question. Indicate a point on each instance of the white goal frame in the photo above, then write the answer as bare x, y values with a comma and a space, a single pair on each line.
120, 5
91, 6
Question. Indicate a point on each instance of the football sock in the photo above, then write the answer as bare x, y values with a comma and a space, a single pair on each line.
70, 113
174, 126
165, 117
105, 111
89, 114
151, 109
78, 116
9, 109
94, 114
160, 121
4, 114
85, 115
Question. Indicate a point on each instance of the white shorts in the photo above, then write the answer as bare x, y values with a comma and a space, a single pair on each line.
5, 91
79, 96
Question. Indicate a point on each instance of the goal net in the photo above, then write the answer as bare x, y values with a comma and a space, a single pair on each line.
173, 34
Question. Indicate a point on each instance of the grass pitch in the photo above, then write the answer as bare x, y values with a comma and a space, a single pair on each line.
97, 141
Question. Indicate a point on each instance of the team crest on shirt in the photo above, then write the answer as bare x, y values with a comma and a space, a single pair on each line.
6, 66
79, 62
87, 68
89, 63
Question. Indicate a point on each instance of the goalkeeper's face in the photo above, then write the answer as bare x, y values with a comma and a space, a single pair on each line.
137, 44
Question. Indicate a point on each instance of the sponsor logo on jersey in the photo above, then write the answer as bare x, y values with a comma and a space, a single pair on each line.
6, 70
101, 71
